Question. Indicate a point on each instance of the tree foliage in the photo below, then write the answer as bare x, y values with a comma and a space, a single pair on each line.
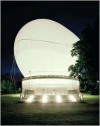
87, 51
8, 87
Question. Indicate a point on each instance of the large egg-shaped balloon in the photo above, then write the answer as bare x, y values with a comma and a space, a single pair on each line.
42, 47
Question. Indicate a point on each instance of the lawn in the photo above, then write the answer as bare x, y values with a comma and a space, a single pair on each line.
14, 113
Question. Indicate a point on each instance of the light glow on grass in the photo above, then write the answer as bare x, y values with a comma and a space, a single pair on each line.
72, 98
30, 99
14, 95
58, 99
45, 99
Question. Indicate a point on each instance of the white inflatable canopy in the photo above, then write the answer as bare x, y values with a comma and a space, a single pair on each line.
42, 47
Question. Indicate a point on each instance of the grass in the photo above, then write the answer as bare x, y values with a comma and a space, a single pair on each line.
91, 98
14, 113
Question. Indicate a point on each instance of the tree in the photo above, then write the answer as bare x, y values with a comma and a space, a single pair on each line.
87, 51
8, 87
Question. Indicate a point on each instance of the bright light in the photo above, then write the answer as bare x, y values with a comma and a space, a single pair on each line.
58, 99
72, 98
45, 99
30, 99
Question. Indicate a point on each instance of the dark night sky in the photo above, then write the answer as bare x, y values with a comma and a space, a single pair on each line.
73, 15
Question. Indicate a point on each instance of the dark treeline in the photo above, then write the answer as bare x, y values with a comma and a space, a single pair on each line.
87, 65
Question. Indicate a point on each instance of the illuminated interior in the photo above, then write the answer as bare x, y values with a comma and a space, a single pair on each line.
50, 86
